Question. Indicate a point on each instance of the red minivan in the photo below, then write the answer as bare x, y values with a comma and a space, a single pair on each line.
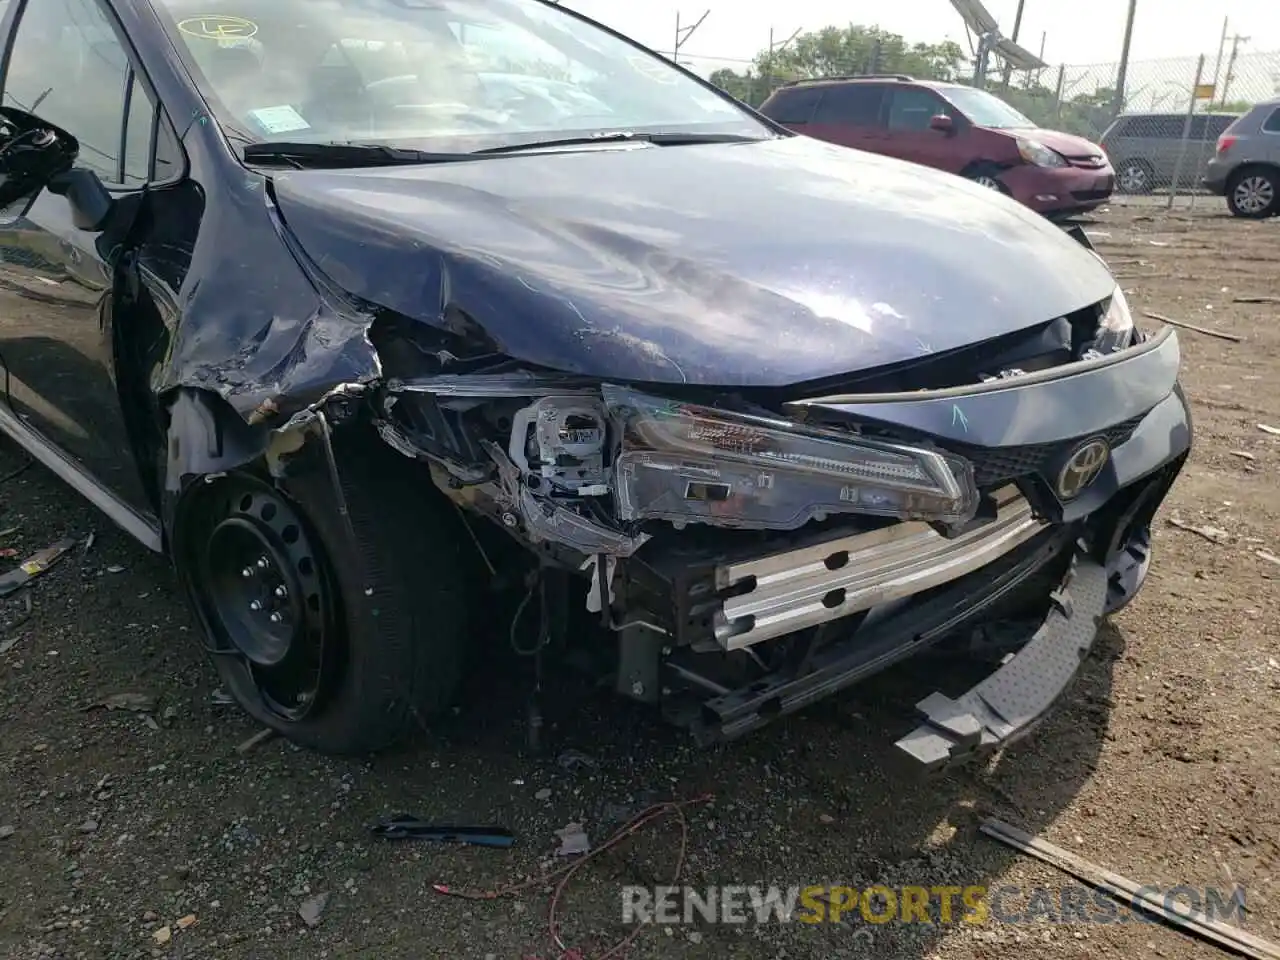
953, 127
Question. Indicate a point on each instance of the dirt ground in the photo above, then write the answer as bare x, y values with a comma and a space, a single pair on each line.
1163, 764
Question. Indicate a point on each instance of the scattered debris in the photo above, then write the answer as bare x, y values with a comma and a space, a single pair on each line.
115, 568
1243, 454
131, 702
259, 738
1191, 326
1274, 431
1160, 243
163, 935
573, 840
407, 827
188, 921
7, 831
1255, 299
573, 759
1212, 534
88, 544
543, 794
150, 721
220, 698
8, 552
33, 566
312, 909
1268, 556
1127, 892
9, 532
89, 826
826, 818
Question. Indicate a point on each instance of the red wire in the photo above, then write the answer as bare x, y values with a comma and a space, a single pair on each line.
565, 873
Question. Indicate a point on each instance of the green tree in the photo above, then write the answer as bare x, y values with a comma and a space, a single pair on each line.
840, 51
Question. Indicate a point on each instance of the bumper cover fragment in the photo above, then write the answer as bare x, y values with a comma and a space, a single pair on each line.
1009, 704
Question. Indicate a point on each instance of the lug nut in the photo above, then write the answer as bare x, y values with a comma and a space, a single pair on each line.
247, 572
281, 591
254, 605
262, 563
276, 618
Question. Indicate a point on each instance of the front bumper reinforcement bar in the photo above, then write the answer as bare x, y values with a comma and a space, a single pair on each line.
870, 650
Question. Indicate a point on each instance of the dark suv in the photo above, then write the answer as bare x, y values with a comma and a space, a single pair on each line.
953, 127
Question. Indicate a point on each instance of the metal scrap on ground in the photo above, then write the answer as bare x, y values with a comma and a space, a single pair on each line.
1132, 894
33, 566
1191, 326
1212, 534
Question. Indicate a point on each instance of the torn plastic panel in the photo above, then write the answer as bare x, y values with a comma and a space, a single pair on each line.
592, 468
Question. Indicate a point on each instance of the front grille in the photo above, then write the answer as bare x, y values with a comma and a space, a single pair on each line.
994, 466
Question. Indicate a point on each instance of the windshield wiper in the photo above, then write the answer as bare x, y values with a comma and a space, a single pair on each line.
342, 155
673, 139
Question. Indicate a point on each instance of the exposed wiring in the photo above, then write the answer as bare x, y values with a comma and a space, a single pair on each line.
565, 873
537, 582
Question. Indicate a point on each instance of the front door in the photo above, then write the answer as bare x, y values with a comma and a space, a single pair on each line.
909, 136
55, 280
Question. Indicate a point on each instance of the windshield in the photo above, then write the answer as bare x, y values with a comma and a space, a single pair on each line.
985, 109
440, 75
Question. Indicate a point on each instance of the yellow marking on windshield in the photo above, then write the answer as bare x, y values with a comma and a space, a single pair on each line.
218, 27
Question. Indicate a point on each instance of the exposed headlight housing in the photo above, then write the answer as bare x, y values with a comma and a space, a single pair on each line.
1115, 329
686, 463
1034, 152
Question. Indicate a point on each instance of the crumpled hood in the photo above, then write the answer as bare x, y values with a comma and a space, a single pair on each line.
761, 264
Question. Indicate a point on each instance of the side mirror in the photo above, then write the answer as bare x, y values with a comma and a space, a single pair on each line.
943, 123
32, 154
91, 204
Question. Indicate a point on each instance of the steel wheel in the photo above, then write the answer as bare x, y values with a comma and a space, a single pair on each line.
1134, 177
988, 181
1254, 195
264, 595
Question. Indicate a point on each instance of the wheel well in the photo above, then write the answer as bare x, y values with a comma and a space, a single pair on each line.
976, 166
1252, 165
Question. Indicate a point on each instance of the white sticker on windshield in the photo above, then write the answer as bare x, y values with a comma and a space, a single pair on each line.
281, 119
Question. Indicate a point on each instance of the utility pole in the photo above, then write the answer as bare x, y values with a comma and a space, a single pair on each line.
1217, 66
684, 33
1017, 25
1231, 66
1122, 74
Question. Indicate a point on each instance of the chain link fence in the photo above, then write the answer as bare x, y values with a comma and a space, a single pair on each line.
1160, 135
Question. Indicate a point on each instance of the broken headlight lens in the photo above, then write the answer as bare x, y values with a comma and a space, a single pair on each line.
692, 464
1115, 330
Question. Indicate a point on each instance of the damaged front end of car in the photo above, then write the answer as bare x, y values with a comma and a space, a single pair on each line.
750, 560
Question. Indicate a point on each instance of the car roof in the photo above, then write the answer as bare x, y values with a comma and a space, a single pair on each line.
865, 78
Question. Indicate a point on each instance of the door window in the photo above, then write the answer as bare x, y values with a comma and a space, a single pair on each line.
850, 104
911, 108
793, 105
1272, 123
69, 67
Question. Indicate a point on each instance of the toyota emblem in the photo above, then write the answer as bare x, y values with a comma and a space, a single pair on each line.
1083, 467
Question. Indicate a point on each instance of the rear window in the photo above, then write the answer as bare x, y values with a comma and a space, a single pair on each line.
792, 105
1272, 123
853, 104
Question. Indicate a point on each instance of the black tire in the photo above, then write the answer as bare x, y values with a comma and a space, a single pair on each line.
1135, 177
986, 175
1254, 193
392, 656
